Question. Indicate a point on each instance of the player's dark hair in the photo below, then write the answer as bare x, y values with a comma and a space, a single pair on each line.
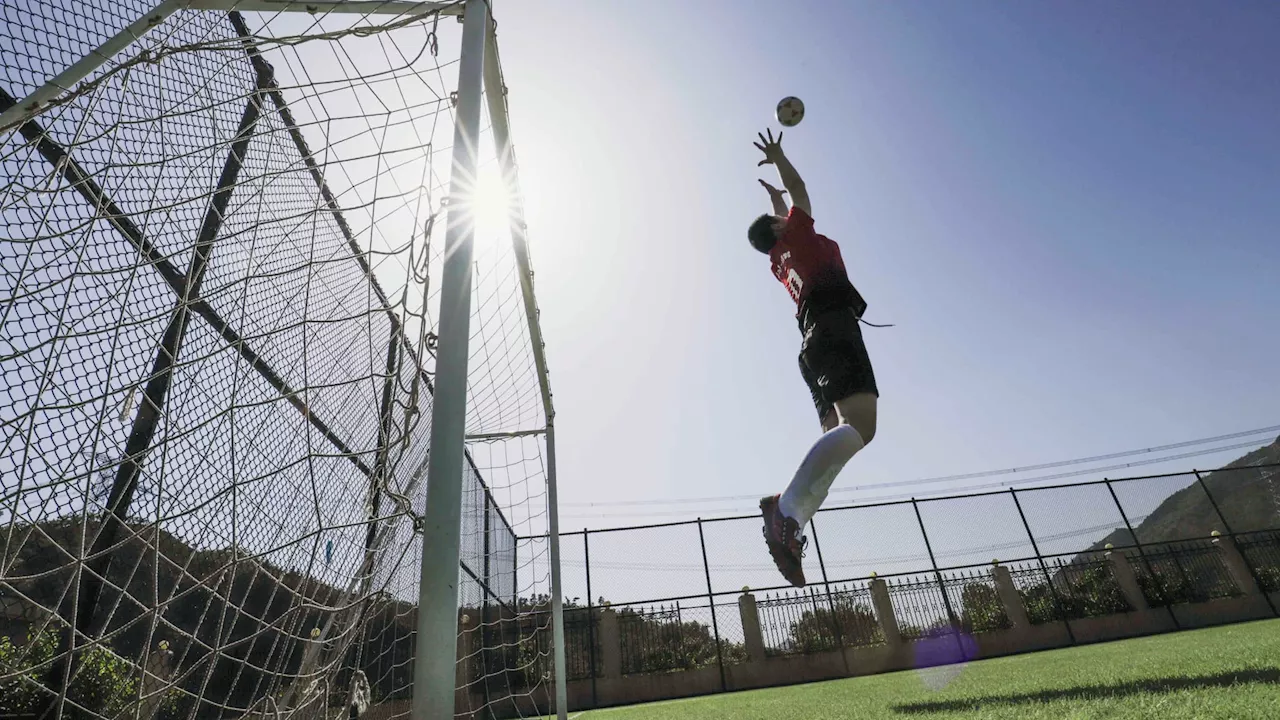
761, 233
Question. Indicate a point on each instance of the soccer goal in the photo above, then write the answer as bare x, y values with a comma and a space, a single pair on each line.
277, 429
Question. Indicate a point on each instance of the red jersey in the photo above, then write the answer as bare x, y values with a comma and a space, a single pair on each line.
804, 261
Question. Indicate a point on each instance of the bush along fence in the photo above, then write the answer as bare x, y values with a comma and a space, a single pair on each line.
1088, 562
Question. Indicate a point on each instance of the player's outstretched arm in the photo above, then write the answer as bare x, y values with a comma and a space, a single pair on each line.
773, 155
775, 197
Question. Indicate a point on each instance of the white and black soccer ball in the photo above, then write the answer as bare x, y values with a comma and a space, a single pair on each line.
790, 111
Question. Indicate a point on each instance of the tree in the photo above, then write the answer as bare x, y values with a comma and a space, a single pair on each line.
981, 609
852, 624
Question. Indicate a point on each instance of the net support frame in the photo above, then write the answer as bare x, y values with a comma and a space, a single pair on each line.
435, 659
496, 95
479, 71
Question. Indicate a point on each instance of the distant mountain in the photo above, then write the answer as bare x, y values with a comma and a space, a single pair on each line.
1247, 495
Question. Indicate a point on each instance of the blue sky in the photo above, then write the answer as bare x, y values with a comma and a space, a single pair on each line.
1067, 209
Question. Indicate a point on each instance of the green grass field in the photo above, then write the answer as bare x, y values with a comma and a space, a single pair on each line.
1230, 672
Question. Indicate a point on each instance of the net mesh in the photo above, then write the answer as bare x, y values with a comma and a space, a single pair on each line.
220, 270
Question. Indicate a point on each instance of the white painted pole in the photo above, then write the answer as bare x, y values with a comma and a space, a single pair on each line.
434, 663
495, 93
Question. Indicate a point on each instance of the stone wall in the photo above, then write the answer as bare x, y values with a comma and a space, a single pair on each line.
759, 670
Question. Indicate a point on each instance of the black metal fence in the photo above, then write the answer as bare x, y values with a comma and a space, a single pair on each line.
675, 586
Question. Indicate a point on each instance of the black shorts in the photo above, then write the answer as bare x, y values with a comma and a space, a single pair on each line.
833, 358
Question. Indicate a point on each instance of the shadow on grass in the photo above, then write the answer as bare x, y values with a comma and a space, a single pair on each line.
1098, 692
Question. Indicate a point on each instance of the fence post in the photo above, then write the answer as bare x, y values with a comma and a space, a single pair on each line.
610, 644
485, 632
680, 624
1048, 579
942, 586
711, 599
1142, 554
752, 636
885, 614
1014, 608
1240, 559
591, 617
831, 604
1122, 569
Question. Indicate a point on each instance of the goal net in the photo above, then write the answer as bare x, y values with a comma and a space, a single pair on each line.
221, 278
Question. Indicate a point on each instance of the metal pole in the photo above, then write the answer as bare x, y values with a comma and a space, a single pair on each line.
711, 599
831, 603
680, 628
1231, 536
946, 600
557, 597
485, 632
591, 617
1150, 570
437, 646
1048, 579
496, 94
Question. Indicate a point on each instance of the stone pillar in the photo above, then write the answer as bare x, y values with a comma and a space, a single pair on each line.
1236, 565
610, 644
155, 678
1122, 570
1010, 597
884, 613
752, 635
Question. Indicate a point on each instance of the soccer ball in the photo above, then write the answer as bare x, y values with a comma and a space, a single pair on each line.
790, 111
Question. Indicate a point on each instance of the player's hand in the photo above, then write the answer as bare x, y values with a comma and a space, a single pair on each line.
771, 148
773, 191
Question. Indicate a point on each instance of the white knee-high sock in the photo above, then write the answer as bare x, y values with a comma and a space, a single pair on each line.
813, 479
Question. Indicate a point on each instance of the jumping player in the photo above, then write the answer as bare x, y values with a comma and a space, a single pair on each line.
833, 359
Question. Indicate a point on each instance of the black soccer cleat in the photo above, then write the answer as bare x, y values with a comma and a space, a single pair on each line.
786, 545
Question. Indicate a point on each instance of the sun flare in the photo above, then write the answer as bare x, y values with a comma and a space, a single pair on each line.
491, 205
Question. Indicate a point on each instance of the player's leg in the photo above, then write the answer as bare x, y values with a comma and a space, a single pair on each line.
837, 360
782, 534
853, 429
835, 366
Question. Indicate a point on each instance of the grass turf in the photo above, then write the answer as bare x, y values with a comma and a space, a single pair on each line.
1232, 673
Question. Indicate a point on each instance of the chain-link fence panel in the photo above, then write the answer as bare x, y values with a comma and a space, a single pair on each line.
1073, 518
741, 556
640, 564
1248, 497
860, 541
975, 529
1162, 509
